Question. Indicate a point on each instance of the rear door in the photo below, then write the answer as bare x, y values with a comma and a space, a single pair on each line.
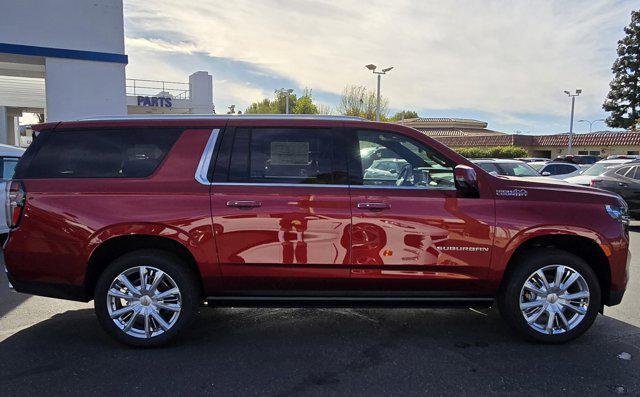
280, 205
415, 233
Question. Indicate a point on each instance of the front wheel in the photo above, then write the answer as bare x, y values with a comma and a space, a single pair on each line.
550, 296
144, 298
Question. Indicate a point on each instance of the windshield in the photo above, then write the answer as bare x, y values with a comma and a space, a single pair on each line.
516, 169
599, 168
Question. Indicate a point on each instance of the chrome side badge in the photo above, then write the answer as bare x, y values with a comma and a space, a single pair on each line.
511, 192
464, 249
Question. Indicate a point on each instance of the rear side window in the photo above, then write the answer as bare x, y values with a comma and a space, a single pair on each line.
622, 171
122, 153
281, 156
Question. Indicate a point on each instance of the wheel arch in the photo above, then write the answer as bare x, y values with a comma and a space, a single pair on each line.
112, 248
589, 249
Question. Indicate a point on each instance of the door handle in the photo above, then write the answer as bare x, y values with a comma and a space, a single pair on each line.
622, 184
373, 206
243, 203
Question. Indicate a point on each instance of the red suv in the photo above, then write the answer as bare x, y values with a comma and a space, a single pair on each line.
151, 217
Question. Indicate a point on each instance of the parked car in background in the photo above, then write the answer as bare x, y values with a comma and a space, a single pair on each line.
387, 169
532, 159
625, 181
537, 165
279, 211
623, 157
578, 159
9, 156
595, 170
561, 170
506, 167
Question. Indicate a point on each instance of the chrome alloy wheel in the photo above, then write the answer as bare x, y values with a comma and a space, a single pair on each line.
144, 302
554, 299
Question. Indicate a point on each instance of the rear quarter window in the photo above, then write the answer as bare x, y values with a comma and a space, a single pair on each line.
116, 153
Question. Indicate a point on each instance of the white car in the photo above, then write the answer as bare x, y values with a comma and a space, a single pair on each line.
385, 169
561, 170
536, 165
9, 156
595, 170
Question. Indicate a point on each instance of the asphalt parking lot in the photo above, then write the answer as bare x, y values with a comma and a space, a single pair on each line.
53, 347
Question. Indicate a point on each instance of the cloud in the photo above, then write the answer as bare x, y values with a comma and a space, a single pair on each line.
508, 58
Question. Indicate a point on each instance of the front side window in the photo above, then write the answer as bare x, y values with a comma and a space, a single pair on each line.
399, 161
283, 156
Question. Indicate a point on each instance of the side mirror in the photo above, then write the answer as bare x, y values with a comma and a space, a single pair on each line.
466, 180
393, 171
546, 173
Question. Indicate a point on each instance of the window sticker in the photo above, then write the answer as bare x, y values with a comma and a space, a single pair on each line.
289, 153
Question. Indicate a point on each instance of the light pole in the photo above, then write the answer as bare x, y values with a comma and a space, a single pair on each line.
591, 123
573, 104
373, 68
286, 93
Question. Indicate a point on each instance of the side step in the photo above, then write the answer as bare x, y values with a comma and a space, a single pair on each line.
347, 301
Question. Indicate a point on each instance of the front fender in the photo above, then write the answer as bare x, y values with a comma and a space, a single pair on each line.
505, 246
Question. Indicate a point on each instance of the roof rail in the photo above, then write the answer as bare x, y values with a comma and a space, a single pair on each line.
218, 117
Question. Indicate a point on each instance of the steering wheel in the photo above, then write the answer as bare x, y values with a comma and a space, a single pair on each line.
404, 175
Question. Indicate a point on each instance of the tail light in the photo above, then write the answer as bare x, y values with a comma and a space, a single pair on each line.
15, 200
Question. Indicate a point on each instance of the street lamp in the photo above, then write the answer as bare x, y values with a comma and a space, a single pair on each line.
573, 104
591, 123
373, 68
287, 93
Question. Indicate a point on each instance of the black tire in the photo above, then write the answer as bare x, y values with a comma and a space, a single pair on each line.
184, 278
519, 273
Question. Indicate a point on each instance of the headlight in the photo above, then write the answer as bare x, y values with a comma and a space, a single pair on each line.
619, 213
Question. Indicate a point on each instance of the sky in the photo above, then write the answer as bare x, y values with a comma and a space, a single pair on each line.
504, 62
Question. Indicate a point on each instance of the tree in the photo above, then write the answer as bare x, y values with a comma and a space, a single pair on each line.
403, 115
357, 101
277, 105
623, 100
305, 105
262, 107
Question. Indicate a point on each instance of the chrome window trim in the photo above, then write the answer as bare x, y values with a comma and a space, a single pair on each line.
321, 185
400, 187
324, 185
205, 159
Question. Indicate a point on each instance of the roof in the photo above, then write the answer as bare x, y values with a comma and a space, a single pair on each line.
139, 117
436, 122
456, 131
593, 139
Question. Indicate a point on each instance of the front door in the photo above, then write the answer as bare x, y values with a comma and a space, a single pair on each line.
411, 231
280, 205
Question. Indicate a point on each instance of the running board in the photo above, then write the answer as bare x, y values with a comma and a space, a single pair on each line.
347, 301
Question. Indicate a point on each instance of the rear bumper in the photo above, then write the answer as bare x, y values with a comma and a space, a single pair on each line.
60, 291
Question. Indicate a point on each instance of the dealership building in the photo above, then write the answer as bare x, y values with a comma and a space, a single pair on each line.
68, 62
459, 133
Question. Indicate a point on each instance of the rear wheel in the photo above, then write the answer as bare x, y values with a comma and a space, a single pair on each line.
144, 298
550, 296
